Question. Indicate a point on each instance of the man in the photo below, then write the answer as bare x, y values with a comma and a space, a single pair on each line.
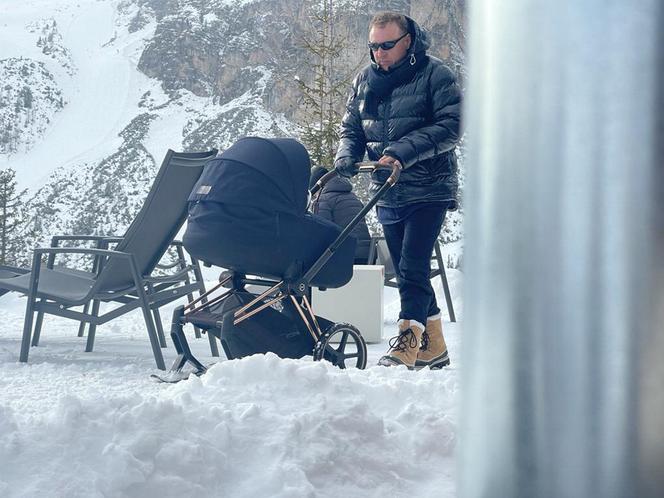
404, 109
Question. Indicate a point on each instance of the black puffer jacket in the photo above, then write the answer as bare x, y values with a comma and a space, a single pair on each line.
338, 204
419, 124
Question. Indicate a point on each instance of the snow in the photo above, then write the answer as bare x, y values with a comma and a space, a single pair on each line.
94, 424
235, 3
76, 424
101, 95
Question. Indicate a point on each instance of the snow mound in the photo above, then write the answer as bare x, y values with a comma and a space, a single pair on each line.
260, 426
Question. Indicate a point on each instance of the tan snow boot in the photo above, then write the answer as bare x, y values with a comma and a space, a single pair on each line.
404, 347
433, 353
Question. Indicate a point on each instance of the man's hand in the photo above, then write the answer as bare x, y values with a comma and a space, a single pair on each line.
390, 161
346, 167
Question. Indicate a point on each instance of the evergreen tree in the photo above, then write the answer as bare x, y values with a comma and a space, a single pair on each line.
323, 97
11, 218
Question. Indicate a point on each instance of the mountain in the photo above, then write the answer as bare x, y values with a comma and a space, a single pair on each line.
29, 98
95, 91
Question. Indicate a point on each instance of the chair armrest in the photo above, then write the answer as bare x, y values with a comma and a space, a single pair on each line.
179, 261
99, 238
173, 277
81, 250
98, 253
102, 243
167, 267
176, 244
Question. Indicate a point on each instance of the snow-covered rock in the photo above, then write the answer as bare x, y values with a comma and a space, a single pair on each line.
29, 98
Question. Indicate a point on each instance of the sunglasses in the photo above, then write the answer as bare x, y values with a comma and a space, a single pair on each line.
388, 45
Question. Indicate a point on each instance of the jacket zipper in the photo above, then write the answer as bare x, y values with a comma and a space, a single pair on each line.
385, 122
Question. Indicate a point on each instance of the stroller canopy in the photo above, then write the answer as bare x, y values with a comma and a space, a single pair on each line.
267, 173
249, 214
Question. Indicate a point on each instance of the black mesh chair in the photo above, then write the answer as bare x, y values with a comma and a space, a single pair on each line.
380, 254
10, 272
123, 274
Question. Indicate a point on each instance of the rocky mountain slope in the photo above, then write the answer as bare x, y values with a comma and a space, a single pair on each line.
29, 98
105, 87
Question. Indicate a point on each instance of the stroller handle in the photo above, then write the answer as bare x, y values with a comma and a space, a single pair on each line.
363, 167
370, 166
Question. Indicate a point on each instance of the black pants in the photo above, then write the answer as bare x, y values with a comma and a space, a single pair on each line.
410, 242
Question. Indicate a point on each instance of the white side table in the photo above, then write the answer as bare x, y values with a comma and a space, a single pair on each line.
359, 302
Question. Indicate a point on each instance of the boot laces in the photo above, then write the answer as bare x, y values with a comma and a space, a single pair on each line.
405, 339
425, 341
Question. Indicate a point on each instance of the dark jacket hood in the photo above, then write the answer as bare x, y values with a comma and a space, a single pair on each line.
420, 43
334, 184
338, 184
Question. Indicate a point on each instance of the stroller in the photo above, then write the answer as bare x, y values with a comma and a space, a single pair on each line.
248, 214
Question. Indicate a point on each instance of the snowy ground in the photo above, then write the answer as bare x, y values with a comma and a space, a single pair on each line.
75, 424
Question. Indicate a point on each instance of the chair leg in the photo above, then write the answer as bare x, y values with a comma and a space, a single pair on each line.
27, 329
154, 340
214, 349
30, 307
187, 281
213, 345
157, 321
190, 298
147, 315
448, 296
152, 332
197, 332
81, 327
160, 328
92, 330
38, 325
443, 277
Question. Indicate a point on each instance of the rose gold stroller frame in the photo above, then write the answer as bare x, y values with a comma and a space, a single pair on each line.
278, 290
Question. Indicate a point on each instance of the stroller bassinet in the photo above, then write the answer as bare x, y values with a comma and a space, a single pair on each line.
248, 214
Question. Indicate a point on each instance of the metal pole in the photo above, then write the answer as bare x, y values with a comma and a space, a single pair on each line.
563, 379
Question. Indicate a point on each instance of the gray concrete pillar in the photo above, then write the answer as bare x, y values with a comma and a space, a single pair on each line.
563, 353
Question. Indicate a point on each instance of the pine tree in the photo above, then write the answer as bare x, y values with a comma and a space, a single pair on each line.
11, 217
323, 98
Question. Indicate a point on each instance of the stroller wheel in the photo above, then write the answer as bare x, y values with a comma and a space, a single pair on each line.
343, 346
